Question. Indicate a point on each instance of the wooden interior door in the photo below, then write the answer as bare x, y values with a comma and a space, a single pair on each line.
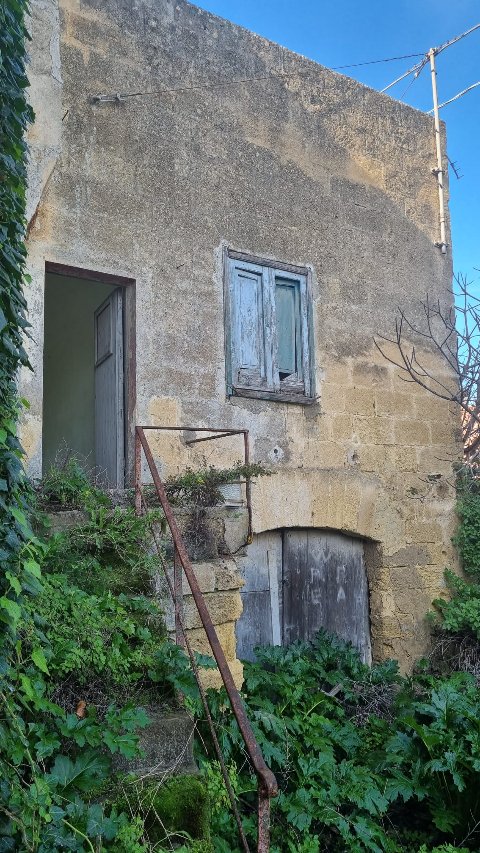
109, 392
325, 586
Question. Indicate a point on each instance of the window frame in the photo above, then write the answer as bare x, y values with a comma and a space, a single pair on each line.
303, 392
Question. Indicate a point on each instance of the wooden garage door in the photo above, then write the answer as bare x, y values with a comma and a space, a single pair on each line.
299, 581
261, 568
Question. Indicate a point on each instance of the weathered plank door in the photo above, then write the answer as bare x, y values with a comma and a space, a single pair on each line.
325, 586
259, 624
109, 392
299, 581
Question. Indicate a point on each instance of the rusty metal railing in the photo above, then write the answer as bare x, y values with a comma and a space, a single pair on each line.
216, 434
267, 784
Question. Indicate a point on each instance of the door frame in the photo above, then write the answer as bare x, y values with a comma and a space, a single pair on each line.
129, 347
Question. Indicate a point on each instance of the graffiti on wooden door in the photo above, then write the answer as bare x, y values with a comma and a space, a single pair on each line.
299, 581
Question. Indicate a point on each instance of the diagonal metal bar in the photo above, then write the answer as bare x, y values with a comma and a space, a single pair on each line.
210, 437
185, 642
267, 784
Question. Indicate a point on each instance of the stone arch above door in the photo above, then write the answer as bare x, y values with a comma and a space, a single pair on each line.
298, 581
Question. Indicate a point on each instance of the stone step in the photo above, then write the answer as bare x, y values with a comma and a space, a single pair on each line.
167, 744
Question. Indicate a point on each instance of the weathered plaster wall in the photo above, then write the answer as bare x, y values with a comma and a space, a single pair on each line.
302, 165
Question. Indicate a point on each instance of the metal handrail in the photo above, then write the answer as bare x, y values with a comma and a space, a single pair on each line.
217, 433
267, 784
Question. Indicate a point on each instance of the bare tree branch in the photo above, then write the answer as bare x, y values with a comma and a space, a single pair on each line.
454, 334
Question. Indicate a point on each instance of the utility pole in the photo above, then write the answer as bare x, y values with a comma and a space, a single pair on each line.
438, 169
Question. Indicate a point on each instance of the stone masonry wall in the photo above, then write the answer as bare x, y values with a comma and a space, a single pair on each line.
224, 532
220, 583
250, 146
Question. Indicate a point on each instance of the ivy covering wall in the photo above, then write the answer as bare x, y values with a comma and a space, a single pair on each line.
54, 764
15, 114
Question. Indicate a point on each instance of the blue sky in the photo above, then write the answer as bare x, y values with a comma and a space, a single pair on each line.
340, 32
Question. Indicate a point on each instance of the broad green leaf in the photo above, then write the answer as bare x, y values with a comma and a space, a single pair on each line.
20, 517
26, 686
11, 607
33, 568
14, 582
38, 657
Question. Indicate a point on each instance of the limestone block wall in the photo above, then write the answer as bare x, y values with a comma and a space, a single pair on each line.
385, 475
261, 150
220, 585
222, 532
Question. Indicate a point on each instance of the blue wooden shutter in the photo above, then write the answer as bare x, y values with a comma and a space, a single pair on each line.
247, 335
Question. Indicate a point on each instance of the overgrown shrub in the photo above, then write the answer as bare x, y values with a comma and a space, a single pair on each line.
467, 538
201, 488
109, 549
114, 638
388, 781
461, 613
87, 660
67, 484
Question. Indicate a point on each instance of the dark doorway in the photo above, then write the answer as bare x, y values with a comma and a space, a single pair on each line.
299, 581
84, 375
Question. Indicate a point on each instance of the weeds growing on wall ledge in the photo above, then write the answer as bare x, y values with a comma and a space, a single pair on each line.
201, 488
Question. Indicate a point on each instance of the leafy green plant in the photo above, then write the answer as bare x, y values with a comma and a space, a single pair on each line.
201, 488
388, 780
461, 613
467, 538
96, 635
87, 659
15, 532
110, 551
67, 485
445, 848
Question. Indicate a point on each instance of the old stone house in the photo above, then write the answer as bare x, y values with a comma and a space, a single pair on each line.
218, 228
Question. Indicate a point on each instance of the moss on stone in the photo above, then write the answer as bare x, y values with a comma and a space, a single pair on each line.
178, 809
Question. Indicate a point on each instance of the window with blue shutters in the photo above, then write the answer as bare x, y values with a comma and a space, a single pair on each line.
268, 330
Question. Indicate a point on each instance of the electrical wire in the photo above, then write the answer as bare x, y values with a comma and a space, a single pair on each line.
455, 98
407, 87
455, 39
376, 61
120, 96
417, 69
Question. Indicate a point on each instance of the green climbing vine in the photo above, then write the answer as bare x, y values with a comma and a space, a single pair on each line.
16, 545
54, 762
